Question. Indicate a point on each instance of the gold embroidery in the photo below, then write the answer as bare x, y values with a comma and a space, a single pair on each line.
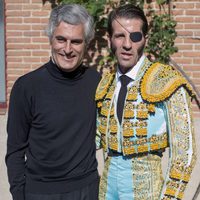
141, 106
166, 198
141, 123
181, 192
160, 82
103, 86
172, 187
128, 128
132, 94
181, 168
129, 151
145, 145
141, 132
113, 142
112, 111
105, 108
102, 125
188, 171
142, 148
154, 146
170, 192
140, 143
110, 92
99, 104
147, 177
180, 195
142, 112
128, 143
113, 125
151, 108
129, 110
177, 170
103, 142
104, 180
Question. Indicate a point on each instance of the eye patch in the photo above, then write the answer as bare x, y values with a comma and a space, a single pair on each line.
136, 36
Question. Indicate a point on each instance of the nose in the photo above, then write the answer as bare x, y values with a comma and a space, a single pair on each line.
68, 47
127, 43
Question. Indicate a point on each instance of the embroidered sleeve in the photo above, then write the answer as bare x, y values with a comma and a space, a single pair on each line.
98, 134
182, 146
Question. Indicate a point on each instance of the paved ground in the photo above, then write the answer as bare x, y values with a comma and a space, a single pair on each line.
4, 188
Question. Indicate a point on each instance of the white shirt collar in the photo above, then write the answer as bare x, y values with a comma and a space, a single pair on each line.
133, 72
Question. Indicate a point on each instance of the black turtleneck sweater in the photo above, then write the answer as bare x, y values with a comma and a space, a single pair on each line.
51, 131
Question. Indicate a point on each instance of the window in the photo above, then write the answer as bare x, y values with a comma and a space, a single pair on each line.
2, 58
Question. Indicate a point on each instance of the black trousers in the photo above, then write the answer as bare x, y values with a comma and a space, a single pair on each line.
89, 192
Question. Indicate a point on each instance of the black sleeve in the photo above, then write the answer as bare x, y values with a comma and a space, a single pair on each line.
18, 125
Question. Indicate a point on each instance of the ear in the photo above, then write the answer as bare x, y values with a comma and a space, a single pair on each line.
146, 39
109, 40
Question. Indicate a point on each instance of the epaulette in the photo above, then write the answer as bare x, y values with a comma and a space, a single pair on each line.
160, 82
103, 86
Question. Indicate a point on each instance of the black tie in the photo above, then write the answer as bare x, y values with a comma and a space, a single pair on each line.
125, 80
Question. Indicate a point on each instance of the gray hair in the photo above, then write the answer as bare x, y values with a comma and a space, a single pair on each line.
72, 14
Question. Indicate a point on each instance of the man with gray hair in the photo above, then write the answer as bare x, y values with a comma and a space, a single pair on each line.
52, 117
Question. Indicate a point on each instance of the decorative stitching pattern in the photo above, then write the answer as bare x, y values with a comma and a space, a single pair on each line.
160, 82
183, 155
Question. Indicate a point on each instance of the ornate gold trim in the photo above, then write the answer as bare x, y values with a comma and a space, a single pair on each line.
103, 86
160, 82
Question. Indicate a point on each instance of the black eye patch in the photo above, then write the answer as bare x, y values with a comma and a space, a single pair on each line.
136, 36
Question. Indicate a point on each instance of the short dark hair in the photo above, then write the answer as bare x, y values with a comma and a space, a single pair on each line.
127, 11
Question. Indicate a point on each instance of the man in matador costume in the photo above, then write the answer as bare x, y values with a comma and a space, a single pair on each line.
143, 108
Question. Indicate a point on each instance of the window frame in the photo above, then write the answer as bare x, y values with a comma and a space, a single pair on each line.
3, 57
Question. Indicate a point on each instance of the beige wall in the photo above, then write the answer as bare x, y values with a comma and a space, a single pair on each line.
4, 188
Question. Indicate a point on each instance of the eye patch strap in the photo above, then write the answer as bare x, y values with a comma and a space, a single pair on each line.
134, 36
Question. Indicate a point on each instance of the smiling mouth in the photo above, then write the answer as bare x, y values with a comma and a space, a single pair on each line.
67, 56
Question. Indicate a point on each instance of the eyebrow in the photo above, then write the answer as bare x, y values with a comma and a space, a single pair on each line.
73, 40
60, 37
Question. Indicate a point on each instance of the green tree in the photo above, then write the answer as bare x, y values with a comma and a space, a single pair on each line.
162, 33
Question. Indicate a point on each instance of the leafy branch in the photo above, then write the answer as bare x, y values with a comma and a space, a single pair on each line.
161, 37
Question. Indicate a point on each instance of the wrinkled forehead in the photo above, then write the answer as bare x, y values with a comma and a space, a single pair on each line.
137, 22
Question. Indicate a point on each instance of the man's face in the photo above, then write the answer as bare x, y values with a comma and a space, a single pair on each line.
126, 51
68, 46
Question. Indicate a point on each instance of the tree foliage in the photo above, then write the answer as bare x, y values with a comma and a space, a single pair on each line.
162, 33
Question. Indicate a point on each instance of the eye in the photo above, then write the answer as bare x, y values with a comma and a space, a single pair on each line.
77, 41
119, 35
60, 39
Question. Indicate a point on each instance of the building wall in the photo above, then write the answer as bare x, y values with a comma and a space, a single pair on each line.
28, 47
187, 15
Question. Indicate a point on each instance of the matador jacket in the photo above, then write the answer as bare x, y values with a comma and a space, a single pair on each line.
157, 115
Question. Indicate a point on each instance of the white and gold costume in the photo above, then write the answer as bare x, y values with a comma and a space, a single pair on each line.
157, 115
